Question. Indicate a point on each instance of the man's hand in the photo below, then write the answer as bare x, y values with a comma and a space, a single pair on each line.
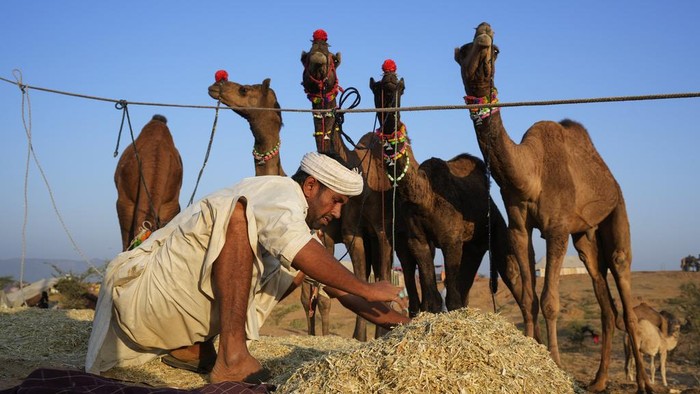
385, 291
380, 313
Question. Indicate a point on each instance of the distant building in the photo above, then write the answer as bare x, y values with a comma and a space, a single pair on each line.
572, 265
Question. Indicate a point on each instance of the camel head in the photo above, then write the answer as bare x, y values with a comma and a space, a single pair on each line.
242, 97
388, 91
319, 78
477, 61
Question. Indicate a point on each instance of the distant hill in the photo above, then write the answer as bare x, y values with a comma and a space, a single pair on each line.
35, 269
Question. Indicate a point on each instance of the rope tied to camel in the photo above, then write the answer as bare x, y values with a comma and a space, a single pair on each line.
120, 105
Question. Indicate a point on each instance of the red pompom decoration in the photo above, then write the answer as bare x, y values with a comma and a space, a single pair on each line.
221, 75
320, 34
389, 66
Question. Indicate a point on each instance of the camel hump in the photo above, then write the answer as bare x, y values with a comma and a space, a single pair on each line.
464, 164
160, 118
571, 124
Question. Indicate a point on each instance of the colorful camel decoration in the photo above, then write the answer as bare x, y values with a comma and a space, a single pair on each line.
555, 181
148, 180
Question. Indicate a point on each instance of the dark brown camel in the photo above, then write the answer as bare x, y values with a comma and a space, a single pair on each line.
365, 221
148, 179
555, 181
266, 126
445, 205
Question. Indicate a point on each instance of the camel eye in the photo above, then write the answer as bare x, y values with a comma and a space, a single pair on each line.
243, 90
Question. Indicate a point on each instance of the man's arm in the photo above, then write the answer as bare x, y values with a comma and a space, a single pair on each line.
314, 260
378, 313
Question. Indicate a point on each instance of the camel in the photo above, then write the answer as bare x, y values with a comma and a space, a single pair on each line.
148, 180
266, 126
658, 333
365, 219
555, 181
444, 204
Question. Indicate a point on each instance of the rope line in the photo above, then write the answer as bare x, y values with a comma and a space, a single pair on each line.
31, 153
663, 96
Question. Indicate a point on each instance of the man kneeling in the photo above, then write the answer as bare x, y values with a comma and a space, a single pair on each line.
220, 267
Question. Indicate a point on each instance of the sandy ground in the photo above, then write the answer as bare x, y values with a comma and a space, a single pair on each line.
578, 306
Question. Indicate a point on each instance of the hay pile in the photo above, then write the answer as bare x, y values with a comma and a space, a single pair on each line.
45, 335
463, 351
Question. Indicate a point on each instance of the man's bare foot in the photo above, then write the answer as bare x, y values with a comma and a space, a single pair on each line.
236, 369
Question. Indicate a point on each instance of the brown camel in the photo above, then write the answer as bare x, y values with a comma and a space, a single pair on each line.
555, 181
148, 179
444, 204
266, 126
365, 220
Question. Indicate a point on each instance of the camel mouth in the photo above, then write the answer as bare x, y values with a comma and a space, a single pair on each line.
483, 40
215, 91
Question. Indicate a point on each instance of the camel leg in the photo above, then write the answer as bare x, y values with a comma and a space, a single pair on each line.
616, 243
520, 240
355, 244
324, 308
307, 307
506, 262
471, 260
628, 358
453, 262
587, 246
125, 212
556, 249
408, 265
382, 256
652, 368
431, 299
662, 362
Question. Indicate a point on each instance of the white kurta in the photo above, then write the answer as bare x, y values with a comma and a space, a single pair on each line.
159, 296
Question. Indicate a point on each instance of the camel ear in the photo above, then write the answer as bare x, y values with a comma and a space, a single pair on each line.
402, 86
336, 59
457, 55
304, 55
265, 86
372, 83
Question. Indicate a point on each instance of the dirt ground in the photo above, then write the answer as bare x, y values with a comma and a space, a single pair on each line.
578, 307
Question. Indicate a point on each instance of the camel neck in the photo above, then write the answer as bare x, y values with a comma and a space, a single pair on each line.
327, 133
400, 165
266, 157
504, 157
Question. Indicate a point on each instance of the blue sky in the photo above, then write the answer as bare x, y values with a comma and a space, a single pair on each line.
167, 52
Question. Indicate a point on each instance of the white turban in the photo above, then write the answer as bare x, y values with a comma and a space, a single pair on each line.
332, 174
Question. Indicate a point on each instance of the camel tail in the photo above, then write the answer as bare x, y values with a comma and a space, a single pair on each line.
160, 118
